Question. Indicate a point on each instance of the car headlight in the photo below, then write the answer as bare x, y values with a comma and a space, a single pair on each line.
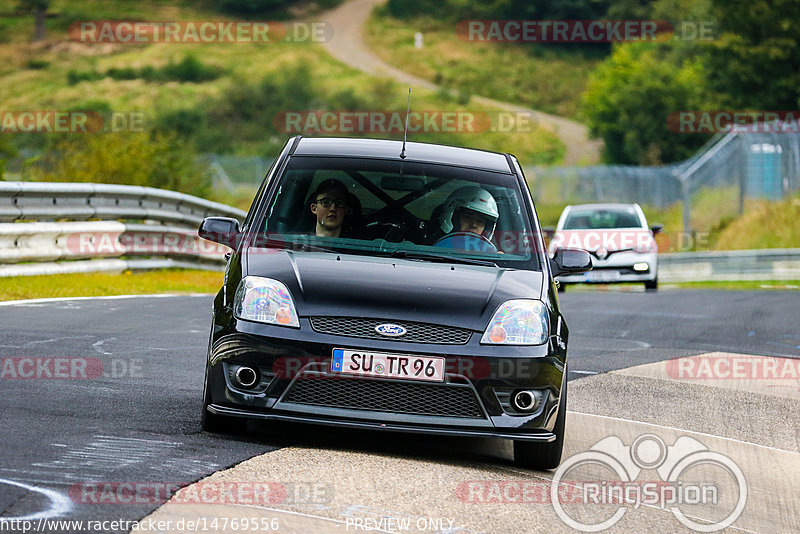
518, 322
266, 301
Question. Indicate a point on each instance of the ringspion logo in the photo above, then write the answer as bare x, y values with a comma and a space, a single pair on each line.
691, 477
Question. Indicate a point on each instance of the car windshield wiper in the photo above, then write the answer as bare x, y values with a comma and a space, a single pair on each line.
400, 253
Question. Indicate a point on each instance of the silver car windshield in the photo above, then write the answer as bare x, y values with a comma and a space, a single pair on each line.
592, 219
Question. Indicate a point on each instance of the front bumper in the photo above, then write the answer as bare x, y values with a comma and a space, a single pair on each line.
617, 268
296, 384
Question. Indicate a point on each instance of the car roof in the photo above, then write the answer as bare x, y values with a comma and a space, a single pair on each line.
390, 149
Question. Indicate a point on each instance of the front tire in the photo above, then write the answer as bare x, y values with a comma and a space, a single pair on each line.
541, 456
651, 285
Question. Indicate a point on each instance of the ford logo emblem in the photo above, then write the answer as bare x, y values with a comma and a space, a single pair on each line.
391, 330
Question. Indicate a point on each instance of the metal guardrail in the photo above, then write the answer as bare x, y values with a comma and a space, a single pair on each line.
733, 265
160, 231
45, 228
44, 201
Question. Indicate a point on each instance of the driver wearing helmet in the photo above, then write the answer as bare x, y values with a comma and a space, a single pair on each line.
470, 209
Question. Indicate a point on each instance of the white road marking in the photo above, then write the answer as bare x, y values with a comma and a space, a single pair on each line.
109, 452
584, 372
43, 341
98, 344
59, 504
106, 297
686, 431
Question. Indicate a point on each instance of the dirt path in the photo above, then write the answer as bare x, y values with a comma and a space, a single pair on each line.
347, 45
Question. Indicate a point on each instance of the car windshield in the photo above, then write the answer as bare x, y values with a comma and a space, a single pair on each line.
596, 218
418, 211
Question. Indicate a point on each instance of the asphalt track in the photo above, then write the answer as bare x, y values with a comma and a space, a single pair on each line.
136, 423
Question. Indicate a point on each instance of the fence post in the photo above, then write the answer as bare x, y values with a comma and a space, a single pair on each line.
686, 200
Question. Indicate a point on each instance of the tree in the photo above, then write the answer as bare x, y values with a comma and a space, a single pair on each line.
756, 59
131, 158
630, 97
39, 10
253, 7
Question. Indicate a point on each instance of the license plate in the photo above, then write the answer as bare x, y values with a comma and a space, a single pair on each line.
385, 365
602, 276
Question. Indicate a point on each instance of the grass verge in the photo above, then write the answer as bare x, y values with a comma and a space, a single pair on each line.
101, 284
722, 285
544, 77
246, 70
748, 284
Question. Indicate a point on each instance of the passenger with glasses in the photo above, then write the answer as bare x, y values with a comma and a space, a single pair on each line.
331, 205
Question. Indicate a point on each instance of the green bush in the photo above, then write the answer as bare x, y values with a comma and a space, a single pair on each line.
188, 69
123, 73
252, 7
75, 77
37, 64
157, 160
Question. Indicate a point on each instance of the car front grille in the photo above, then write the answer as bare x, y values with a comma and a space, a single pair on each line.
415, 332
383, 396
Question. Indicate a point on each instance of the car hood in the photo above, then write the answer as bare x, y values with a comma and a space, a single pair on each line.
327, 284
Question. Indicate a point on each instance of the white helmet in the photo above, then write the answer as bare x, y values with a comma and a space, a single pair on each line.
469, 198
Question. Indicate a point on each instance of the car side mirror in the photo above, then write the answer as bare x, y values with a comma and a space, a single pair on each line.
570, 261
222, 230
656, 228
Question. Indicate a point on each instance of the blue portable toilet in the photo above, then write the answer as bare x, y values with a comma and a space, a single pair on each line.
764, 178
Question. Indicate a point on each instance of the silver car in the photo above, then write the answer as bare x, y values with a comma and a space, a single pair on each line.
617, 236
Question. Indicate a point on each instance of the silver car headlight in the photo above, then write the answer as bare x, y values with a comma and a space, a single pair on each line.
266, 301
518, 322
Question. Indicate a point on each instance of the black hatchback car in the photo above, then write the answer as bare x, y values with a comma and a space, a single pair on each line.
392, 287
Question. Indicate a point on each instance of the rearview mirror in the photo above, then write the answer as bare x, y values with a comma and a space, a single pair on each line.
656, 228
222, 230
402, 183
570, 261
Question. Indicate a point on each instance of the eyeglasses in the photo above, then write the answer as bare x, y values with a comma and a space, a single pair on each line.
326, 202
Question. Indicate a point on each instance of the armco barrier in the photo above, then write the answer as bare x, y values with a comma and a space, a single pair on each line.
44, 201
82, 225
169, 221
733, 265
